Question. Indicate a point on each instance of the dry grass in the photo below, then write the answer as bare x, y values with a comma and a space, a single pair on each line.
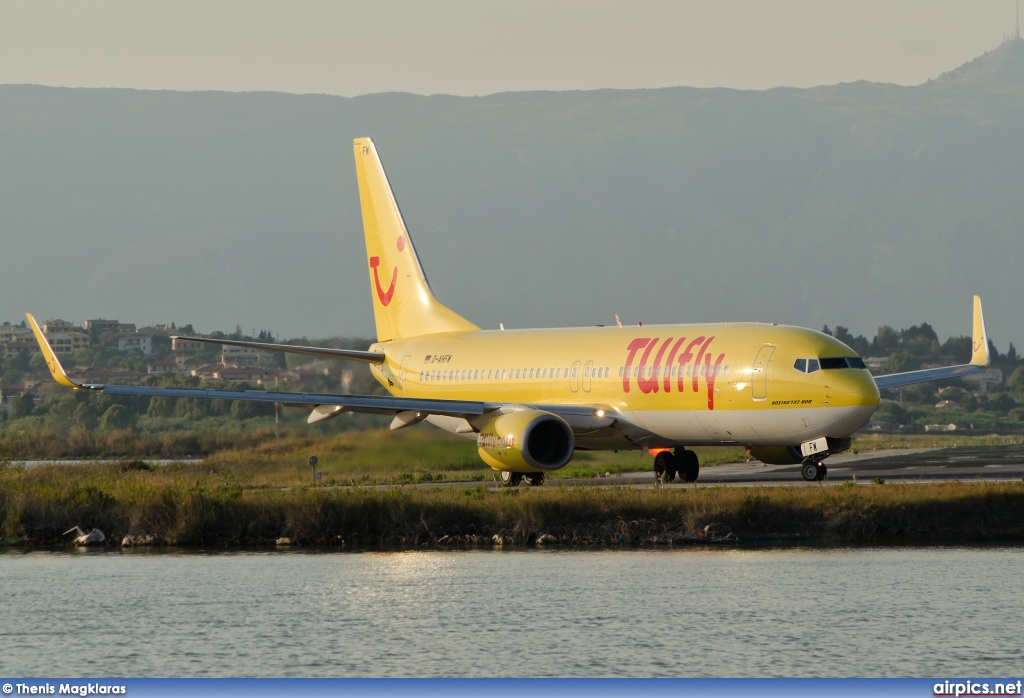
203, 505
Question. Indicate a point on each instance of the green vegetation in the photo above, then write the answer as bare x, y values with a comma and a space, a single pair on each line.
205, 505
997, 409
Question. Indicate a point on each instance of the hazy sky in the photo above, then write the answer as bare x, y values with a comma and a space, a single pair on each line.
472, 47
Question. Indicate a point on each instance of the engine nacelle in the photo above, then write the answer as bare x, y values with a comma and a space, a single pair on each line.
790, 455
530, 441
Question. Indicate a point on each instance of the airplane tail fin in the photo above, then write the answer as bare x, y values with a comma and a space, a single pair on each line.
403, 304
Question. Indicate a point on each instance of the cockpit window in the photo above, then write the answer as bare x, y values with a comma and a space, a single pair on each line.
842, 362
806, 365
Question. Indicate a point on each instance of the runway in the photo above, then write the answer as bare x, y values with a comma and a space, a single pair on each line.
967, 464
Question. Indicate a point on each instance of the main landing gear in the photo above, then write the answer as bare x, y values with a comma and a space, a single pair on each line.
682, 463
510, 479
813, 470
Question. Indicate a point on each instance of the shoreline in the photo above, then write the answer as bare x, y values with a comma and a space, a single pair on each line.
192, 514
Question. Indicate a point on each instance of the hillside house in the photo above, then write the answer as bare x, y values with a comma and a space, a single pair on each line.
239, 356
102, 325
182, 344
135, 342
68, 342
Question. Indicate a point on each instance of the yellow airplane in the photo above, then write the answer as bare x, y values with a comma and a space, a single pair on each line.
530, 398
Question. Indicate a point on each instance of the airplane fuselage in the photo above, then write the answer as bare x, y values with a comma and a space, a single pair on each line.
684, 385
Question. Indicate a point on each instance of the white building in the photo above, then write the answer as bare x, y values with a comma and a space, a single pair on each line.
238, 356
135, 342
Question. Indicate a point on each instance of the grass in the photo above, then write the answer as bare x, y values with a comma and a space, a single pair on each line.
878, 442
250, 490
208, 505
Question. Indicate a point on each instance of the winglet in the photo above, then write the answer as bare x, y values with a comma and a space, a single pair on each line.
56, 370
979, 338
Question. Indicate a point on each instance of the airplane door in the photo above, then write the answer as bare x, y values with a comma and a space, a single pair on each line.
574, 376
588, 373
759, 374
405, 371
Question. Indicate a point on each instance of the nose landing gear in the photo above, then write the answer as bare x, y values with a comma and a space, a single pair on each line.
510, 479
813, 470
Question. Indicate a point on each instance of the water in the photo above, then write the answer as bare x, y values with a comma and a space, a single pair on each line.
803, 612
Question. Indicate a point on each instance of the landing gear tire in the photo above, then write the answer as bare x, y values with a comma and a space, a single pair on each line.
813, 472
534, 479
510, 479
664, 467
689, 469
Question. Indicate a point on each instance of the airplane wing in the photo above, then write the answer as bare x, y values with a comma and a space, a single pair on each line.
371, 357
407, 411
979, 359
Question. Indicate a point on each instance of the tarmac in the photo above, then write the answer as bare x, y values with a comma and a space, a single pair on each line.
964, 464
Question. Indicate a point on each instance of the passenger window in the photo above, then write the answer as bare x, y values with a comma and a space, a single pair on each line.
800, 365
726, 371
812, 365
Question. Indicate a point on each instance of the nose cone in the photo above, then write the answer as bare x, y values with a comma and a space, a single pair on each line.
853, 388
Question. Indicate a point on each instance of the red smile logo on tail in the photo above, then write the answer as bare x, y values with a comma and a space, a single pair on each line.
386, 296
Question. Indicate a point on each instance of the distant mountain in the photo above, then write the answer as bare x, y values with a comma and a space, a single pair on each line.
1001, 70
855, 204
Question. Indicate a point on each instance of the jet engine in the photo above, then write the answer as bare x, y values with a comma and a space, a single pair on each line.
791, 455
529, 441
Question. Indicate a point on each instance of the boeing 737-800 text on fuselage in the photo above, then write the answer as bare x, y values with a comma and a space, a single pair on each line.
530, 398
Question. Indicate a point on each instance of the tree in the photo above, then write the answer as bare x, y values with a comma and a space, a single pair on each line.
161, 407
19, 362
959, 348
886, 341
1016, 379
23, 406
1001, 402
117, 417
901, 362
994, 354
922, 331
892, 412
85, 416
1011, 354
859, 344
37, 363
